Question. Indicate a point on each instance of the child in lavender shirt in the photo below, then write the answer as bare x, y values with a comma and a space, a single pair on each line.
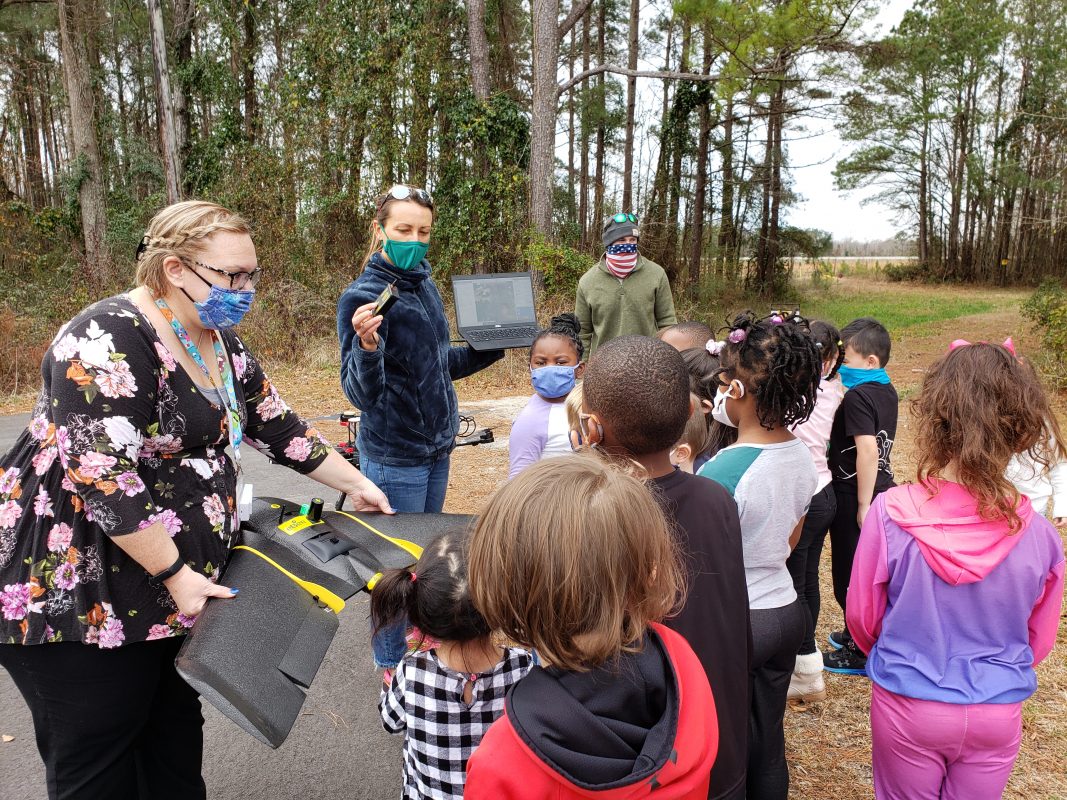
541, 429
956, 586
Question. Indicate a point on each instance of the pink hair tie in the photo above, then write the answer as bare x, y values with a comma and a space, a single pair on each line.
714, 346
737, 335
1008, 345
413, 577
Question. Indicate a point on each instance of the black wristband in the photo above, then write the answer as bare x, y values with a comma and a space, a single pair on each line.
169, 572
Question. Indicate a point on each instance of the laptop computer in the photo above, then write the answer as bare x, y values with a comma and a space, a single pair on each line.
496, 311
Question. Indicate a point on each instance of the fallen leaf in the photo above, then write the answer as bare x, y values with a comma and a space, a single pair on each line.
5, 738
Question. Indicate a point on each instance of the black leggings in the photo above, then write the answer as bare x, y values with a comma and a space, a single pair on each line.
119, 724
803, 563
776, 635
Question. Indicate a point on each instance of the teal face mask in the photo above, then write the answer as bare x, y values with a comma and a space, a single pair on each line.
405, 255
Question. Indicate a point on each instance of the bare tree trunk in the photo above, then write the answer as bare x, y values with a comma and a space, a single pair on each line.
763, 268
421, 123
773, 247
248, 71
572, 137
602, 112
696, 233
478, 43
164, 103
120, 94
631, 104
583, 182
674, 184
545, 14
726, 207
924, 207
184, 18
27, 85
73, 37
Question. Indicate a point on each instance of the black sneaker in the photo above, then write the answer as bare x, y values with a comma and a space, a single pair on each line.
849, 660
839, 639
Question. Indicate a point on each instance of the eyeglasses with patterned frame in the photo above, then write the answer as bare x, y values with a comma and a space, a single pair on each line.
239, 279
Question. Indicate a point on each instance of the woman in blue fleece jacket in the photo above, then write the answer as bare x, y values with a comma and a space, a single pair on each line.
398, 369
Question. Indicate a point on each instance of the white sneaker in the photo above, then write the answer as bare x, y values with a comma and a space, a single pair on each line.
806, 684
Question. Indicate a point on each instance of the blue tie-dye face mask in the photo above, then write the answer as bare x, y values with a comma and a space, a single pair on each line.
223, 308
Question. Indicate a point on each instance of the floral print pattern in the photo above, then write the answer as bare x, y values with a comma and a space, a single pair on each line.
119, 440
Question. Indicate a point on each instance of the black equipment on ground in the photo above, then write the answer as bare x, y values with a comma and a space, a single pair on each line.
254, 656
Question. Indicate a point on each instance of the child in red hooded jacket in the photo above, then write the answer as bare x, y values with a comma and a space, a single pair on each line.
573, 558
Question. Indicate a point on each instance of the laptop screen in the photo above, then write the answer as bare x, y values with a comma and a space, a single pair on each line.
488, 300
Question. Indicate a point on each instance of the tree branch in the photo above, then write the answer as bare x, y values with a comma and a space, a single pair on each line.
632, 73
577, 11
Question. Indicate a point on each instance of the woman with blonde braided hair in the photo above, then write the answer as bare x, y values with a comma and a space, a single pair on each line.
118, 507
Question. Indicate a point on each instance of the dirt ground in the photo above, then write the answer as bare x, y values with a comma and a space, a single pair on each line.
829, 742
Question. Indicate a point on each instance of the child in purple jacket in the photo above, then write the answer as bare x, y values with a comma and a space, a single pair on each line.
956, 587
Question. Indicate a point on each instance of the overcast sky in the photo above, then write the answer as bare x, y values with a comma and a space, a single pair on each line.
813, 159
812, 152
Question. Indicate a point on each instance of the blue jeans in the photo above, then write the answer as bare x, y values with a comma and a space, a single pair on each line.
410, 489
416, 490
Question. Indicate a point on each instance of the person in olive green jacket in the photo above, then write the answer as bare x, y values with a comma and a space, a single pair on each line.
624, 292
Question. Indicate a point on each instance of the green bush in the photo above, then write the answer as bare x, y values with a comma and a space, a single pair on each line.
915, 271
1047, 308
559, 266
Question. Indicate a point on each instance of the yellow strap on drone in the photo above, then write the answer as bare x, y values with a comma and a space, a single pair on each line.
320, 593
403, 544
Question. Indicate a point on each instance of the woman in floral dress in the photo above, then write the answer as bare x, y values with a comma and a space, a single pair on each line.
118, 508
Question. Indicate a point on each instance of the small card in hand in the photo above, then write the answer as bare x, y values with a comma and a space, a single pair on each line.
386, 300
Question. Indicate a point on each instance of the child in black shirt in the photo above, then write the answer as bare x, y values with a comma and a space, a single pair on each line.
636, 404
861, 441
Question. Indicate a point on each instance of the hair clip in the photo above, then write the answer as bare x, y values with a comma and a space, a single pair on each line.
714, 346
818, 345
737, 335
840, 344
141, 247
797, 319
413, 577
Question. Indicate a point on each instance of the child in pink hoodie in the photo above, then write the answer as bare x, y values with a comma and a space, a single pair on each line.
956, 587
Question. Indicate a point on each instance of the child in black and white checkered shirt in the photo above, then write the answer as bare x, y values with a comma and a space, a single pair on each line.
444, 699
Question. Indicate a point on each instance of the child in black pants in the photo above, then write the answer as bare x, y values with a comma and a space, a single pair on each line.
636, 405
861, 441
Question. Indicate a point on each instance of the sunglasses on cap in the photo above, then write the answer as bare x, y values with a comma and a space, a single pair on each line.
401, 192
625, 218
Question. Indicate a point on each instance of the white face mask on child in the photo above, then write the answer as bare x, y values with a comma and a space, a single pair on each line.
718, 408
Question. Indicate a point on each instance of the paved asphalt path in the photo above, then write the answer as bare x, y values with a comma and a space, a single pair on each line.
337, 749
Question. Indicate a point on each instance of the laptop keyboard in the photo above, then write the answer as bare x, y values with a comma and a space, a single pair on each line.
491, 334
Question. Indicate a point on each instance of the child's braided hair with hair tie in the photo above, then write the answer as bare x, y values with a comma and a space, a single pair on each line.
777, 359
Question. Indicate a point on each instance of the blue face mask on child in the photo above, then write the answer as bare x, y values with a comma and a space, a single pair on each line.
852, 377
554, 381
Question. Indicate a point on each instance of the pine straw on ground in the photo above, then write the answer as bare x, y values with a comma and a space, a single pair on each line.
828, 743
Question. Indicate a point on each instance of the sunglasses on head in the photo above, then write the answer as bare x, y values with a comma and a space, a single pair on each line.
625, 218
401, 192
